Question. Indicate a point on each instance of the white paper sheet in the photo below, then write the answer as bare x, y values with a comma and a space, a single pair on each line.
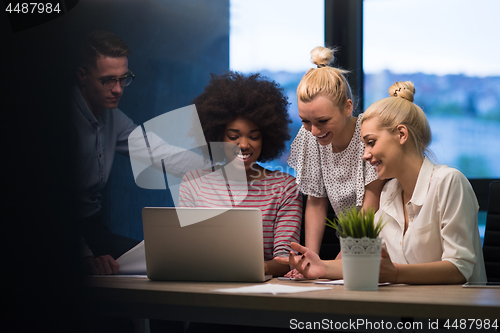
133, 262
330, 282
269, 288
341, 282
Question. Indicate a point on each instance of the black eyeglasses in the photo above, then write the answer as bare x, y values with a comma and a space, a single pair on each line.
111, 82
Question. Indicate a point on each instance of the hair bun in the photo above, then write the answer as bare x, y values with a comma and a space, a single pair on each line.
322, 56
402, 89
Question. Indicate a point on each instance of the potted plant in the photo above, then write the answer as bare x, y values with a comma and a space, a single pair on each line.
360, 247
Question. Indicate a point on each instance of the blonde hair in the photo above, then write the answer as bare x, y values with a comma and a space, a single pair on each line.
325, 80
399, 109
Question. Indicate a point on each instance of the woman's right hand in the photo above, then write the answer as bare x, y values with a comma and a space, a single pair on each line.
308, 263
388, 270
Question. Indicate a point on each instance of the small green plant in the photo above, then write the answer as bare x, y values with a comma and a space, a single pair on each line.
352, 223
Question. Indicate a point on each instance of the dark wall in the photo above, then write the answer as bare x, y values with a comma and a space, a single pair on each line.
175, 46
39, 268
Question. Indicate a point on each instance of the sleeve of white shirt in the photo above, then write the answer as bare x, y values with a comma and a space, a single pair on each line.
177, 161
458, 208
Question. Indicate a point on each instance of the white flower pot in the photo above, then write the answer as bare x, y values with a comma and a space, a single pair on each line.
360, 262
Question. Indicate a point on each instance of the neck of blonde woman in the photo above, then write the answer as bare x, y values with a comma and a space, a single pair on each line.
342, 141
408, 171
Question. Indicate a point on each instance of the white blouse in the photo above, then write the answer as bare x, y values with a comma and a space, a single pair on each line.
341, 177
442, 216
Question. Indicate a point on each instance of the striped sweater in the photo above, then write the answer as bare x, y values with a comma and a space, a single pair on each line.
277, 196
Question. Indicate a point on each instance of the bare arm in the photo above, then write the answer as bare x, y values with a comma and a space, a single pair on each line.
372, 194
310, 265
275, 268
438, 272
315, 219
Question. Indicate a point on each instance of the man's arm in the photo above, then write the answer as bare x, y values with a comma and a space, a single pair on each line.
103, 265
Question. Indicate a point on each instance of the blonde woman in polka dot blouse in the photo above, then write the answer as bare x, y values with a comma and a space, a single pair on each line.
328, 152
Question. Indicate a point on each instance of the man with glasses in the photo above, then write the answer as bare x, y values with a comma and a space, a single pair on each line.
100, 129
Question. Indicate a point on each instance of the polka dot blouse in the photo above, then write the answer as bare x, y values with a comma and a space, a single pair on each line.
341, 177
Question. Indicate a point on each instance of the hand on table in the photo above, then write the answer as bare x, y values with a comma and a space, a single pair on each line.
388, 270
308, 263
294, 274
103, 265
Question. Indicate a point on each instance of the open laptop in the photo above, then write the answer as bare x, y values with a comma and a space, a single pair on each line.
226, 245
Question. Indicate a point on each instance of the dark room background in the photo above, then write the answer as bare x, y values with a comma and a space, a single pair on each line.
175, 46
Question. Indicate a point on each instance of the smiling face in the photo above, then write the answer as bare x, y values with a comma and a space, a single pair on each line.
247, 138
382, 148
97, 97
326, 121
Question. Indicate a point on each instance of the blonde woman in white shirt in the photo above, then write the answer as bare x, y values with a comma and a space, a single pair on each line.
431, 233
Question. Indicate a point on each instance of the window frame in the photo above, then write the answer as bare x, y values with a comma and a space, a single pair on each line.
344, 31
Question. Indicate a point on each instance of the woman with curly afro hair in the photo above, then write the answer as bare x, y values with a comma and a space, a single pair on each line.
247, 117
233, 95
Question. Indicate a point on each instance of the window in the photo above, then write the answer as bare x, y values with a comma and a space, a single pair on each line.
274, 38
447, 49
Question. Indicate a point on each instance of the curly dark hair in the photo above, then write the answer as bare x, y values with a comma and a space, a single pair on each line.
253, 97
